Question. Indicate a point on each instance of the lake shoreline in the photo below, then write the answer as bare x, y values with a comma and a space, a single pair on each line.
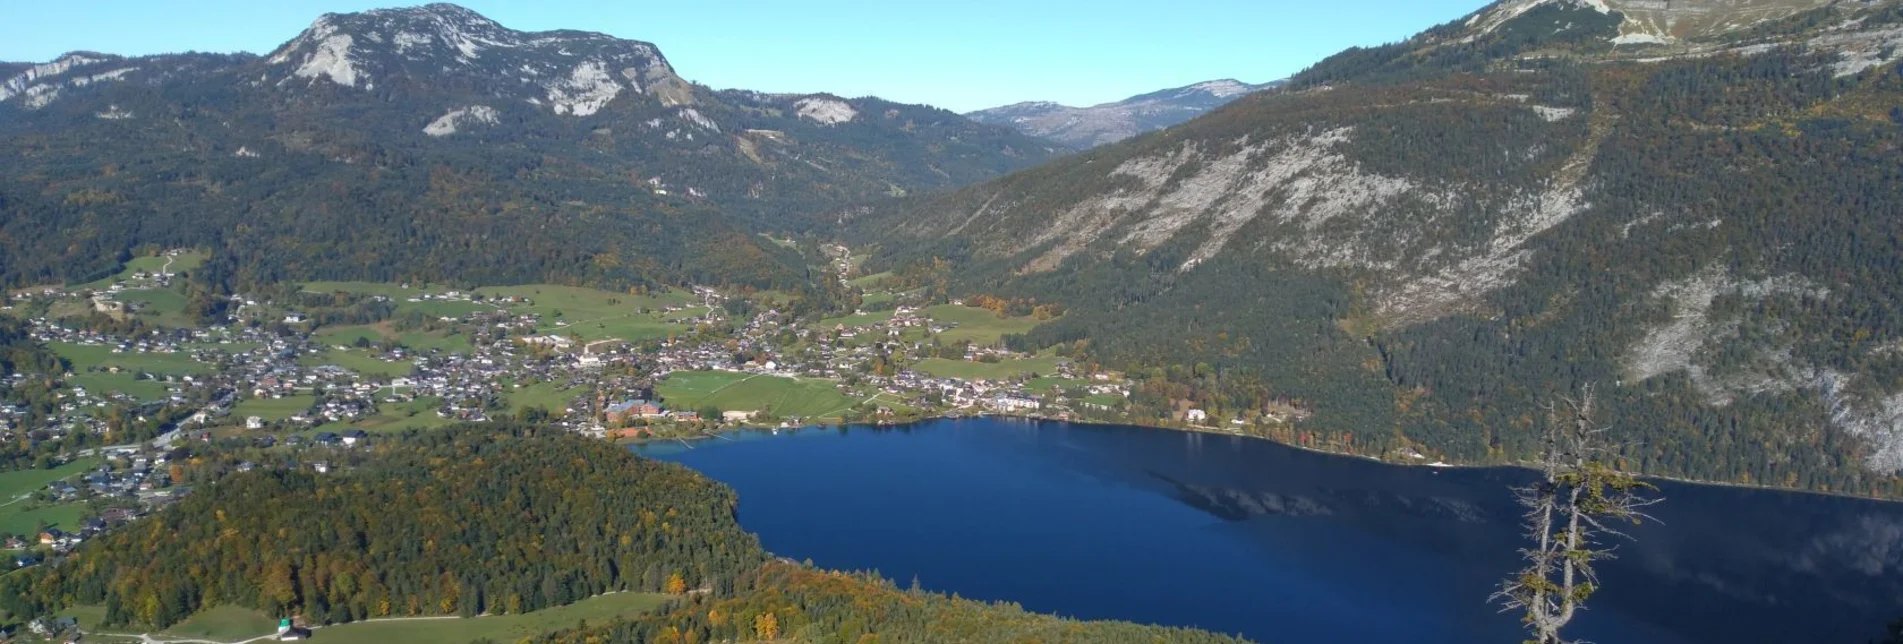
1211, 431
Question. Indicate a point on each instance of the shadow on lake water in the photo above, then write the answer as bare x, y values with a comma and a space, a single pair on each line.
1282, 545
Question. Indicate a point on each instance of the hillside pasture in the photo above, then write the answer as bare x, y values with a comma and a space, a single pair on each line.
978, 326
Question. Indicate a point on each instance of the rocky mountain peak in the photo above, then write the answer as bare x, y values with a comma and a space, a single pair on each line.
568, 72
1657, 21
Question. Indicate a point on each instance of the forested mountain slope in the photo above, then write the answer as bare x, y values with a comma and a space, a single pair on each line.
434, 143
496, 520
1695, 205
1088, 127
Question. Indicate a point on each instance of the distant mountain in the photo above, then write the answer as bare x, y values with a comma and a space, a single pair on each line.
1089, 127
432, 142
1693, 204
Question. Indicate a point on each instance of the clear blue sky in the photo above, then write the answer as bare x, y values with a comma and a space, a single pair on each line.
961, 55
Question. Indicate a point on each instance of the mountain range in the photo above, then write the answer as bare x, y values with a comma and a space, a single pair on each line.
432, 142
1089, 127
1691, 204
1416, 244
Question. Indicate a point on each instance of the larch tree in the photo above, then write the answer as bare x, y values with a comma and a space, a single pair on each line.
1572, 514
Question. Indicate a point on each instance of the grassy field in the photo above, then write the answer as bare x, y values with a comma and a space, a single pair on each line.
348, 335
626, 327
18, 482
874, 279
125, 383
83, 356
394, 417
64, 517
392, 291
861, 319
163, 306
979, 326
218, 623
1049, 383
360, 361
547, 395
185, 261
272, 409
224, 623
15, 518
731, 391
1001, 370
501, 628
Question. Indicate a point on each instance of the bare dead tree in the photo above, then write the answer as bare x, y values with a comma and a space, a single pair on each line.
1573, 513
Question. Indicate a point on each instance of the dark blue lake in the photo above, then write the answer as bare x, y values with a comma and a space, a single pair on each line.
1281, 545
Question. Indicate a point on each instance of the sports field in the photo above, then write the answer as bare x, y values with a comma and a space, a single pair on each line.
731, 391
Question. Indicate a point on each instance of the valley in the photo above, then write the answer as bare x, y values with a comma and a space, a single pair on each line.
410, 327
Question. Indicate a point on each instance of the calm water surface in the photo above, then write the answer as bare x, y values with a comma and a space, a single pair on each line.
1245, 536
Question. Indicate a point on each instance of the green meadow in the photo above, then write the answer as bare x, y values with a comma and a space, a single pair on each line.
979, 326
83, 356
729, 391
273, 408
501, 628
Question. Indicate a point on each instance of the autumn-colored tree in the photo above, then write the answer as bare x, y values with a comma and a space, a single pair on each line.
676, 585
766, 627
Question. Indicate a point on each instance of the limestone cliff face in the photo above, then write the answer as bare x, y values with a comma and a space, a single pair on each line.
1465, 178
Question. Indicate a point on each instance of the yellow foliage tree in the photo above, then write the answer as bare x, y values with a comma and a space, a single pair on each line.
676, 585
766, 627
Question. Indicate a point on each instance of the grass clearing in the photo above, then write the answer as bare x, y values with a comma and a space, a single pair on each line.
88, 355
501, 628
224, 624
1051, 383
874, 279
859, 319
164, 306
547, 395
273, 408
731, 391
384, 332
126, 383
18, 482
394, 417
183, 262
1001, 370
17, 521
976, 325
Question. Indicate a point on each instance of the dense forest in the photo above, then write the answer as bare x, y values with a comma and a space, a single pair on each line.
469, 521
1726, 259
497, 519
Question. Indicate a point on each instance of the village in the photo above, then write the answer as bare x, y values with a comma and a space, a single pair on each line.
682, 365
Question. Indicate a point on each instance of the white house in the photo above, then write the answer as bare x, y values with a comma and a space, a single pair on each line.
1014, 403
